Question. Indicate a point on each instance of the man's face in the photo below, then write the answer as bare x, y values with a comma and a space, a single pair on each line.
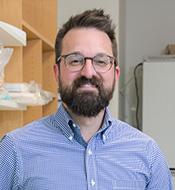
86, 92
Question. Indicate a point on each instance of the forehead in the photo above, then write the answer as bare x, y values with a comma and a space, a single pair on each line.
87, 41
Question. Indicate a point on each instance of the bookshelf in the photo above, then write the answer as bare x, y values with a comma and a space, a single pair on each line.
34, 61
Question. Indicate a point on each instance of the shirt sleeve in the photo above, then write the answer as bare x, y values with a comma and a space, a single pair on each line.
9, 166
160, 175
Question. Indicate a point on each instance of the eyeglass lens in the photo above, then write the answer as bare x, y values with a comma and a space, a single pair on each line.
101, 62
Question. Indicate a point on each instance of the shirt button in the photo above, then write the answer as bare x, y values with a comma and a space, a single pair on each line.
89, 152
74, 125
104, 138
92, 182
71, 137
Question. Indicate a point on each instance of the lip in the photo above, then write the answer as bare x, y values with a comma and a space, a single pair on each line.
87, 87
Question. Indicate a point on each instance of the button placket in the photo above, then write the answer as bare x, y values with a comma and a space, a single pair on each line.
90, 167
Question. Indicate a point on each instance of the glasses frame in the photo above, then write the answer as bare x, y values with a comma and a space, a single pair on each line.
113, 61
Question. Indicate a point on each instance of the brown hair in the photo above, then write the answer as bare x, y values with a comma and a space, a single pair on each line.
91, 19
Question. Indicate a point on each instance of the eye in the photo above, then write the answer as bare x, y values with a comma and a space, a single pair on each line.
101, 61
74, 60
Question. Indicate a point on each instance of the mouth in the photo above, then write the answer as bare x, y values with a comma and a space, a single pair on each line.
87, 88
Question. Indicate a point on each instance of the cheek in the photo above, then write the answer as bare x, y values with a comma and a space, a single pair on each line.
67, 77
108, 79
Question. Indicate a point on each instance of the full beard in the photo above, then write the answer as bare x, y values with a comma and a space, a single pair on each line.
86, 103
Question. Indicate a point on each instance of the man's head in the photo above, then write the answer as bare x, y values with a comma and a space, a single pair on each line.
89, 19
86, 62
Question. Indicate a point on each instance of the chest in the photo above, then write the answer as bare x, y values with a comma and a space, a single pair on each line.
104, 168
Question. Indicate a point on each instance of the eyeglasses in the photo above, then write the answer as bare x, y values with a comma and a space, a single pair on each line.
76, 61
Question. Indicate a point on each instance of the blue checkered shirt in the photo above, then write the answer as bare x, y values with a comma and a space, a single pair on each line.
50, 154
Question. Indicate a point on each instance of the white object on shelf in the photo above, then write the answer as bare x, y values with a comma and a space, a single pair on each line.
29, 94
11, 35
5, 55
17, 87
11, 105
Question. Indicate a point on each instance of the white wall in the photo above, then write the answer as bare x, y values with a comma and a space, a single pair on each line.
69, 8
145, 28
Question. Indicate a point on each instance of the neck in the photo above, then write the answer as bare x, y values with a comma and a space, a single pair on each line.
88, 125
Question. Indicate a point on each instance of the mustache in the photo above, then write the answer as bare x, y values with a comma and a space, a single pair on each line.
83, 81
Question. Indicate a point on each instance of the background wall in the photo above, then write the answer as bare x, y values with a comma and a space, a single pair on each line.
69, 8
145, 28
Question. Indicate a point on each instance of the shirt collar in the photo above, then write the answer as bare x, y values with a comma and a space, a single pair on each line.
107, 122
62, 120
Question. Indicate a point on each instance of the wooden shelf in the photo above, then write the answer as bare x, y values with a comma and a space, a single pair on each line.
34, 61
32, 34
41, 15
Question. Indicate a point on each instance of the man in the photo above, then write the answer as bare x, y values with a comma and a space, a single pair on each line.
81, 146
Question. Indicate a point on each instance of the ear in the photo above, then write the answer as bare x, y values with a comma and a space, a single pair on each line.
56, 71
117, 72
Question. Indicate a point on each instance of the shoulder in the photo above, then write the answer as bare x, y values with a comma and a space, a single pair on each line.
124, 130
30, 131
143, 151
133, 139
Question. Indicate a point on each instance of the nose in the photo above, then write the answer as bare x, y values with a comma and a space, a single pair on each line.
88, 70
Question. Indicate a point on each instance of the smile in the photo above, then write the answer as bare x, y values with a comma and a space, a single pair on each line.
87, 87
